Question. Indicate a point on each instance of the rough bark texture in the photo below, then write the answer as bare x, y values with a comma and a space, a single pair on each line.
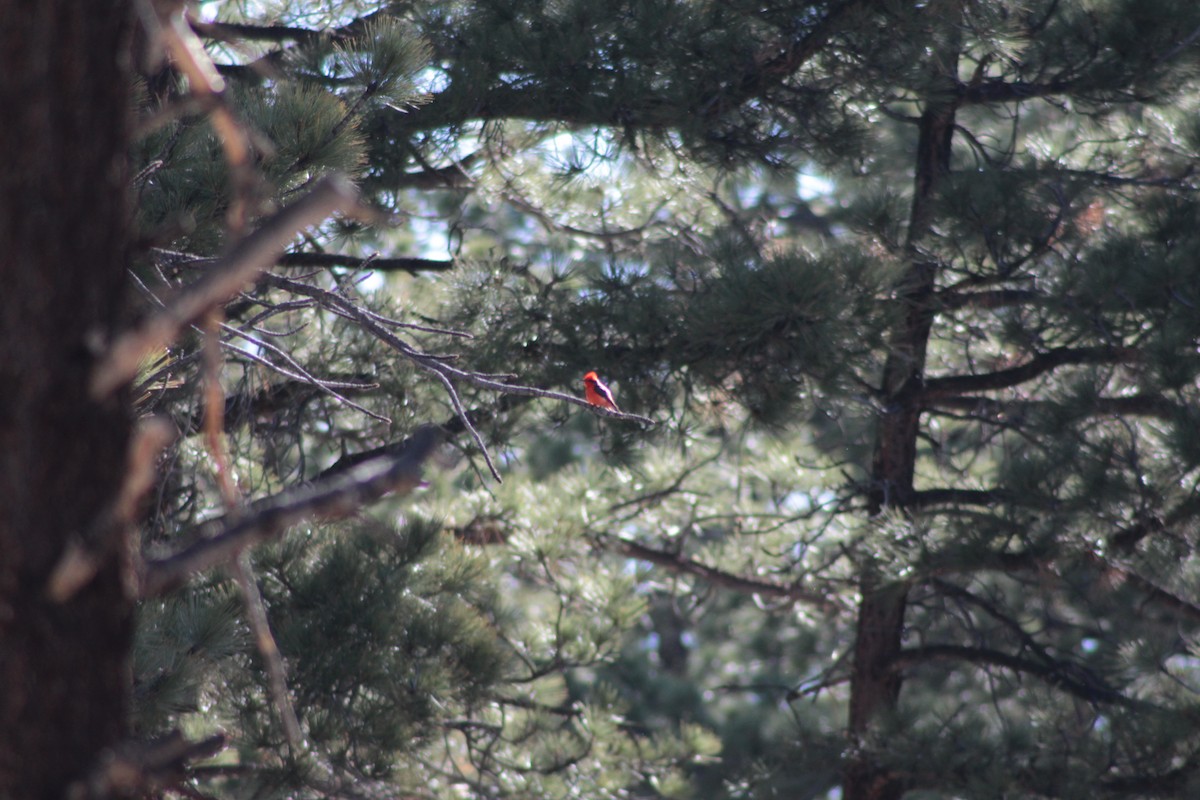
63, 235
875, 683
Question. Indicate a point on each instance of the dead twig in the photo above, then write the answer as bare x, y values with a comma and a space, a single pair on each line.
225, 279
339, 304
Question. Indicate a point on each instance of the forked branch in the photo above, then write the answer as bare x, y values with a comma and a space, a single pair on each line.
225, 279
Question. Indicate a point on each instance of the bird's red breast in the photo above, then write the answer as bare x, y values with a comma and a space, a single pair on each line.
597, 393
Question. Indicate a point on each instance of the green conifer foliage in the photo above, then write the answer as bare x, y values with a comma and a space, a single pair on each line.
910, 293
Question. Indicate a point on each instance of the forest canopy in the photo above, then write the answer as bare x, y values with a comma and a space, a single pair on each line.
900, 303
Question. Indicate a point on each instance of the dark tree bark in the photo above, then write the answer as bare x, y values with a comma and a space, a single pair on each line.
875, 683
64, 91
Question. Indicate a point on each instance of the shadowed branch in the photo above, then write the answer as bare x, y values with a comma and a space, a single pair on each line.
222, 540
225, 279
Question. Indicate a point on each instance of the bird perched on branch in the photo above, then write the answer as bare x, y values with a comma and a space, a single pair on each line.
597, 393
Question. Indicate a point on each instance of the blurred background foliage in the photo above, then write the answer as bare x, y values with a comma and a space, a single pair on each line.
712, 204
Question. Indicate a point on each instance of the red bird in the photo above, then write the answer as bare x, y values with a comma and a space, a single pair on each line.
597, 393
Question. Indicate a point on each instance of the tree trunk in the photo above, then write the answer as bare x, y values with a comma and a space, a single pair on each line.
875, 684
64, 230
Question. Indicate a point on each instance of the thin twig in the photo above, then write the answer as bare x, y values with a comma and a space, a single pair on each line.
224, 280
462, 414
334, 301
301, 372
426, 361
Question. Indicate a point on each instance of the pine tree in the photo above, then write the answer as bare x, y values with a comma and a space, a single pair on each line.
901, 301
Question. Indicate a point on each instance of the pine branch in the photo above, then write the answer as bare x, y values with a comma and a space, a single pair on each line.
681, 564
768, 68
223, 539
986, 408
233, 31
326, 260
1154, 593
278, 34
1072, 678
948, 496
224, 280
997, 90
1046, 564
1040, 364
778, 60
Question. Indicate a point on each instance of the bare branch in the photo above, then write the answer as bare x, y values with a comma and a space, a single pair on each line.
1070, 677
947, 496
223, 539
531, 391
412, 265
335, 301
296, 370
985, 408
228, 275
997, 298
679, 563
423, 360
1038, 365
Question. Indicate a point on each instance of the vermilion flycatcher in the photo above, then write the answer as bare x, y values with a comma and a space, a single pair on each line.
597, 393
